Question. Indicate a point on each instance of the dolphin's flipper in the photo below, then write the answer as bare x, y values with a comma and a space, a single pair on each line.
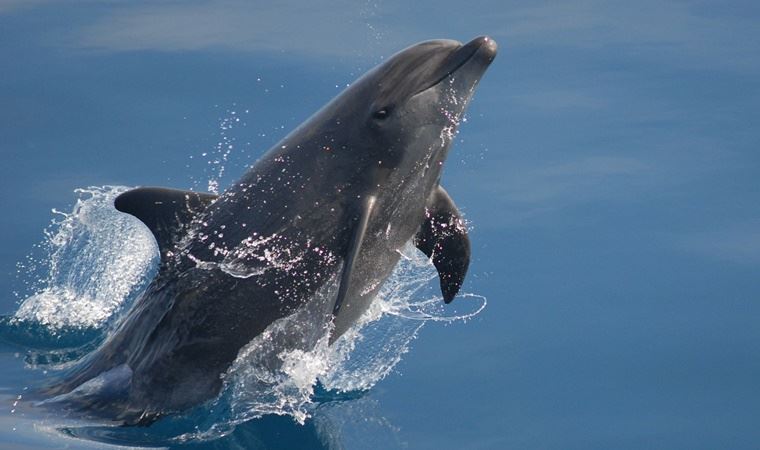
443, 237
354, 245
165, 211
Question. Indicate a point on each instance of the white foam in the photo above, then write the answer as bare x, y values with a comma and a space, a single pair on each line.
94, 258
273, 376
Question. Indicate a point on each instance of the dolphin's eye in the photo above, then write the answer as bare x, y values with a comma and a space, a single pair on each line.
382, 113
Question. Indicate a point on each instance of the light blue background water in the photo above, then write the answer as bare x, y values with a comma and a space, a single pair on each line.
609, 168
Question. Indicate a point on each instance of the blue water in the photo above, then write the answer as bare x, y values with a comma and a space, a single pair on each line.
608, 171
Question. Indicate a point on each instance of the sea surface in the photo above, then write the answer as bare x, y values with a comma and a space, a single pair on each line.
607, 168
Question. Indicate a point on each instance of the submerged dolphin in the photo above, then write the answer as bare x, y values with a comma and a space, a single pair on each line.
323, 214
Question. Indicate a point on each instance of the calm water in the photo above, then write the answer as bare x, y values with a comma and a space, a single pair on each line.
608, 168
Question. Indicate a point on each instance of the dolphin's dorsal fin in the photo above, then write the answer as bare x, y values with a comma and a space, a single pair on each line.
165, 211
443, 238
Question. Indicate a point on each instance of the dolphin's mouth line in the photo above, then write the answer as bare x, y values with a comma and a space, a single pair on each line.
469, 54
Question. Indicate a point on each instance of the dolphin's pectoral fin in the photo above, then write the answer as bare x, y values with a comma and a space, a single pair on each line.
443, 238
357, 237
164, 211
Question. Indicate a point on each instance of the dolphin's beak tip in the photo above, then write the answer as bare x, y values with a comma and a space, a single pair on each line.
488, 46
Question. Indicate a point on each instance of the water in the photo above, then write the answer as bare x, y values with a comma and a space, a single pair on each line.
607, 168
95, 260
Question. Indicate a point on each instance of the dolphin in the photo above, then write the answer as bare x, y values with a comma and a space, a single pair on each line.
322, 214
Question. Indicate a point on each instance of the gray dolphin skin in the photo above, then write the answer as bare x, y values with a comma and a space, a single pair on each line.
322, 215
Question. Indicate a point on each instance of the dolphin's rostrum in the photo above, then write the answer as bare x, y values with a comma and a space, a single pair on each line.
329, 206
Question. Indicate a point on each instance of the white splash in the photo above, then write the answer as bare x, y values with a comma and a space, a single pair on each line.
95, 257
217, 159
271, 376
98, 257
256, 254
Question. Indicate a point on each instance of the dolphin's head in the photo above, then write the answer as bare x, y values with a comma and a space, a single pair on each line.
405, 111
422, 96
441, 74
396, 122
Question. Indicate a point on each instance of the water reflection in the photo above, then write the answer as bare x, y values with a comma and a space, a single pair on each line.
355, 423
336, 421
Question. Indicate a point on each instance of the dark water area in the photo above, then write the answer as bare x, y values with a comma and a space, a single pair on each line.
607, 169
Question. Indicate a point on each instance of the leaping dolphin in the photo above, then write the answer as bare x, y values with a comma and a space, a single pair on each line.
329, 205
